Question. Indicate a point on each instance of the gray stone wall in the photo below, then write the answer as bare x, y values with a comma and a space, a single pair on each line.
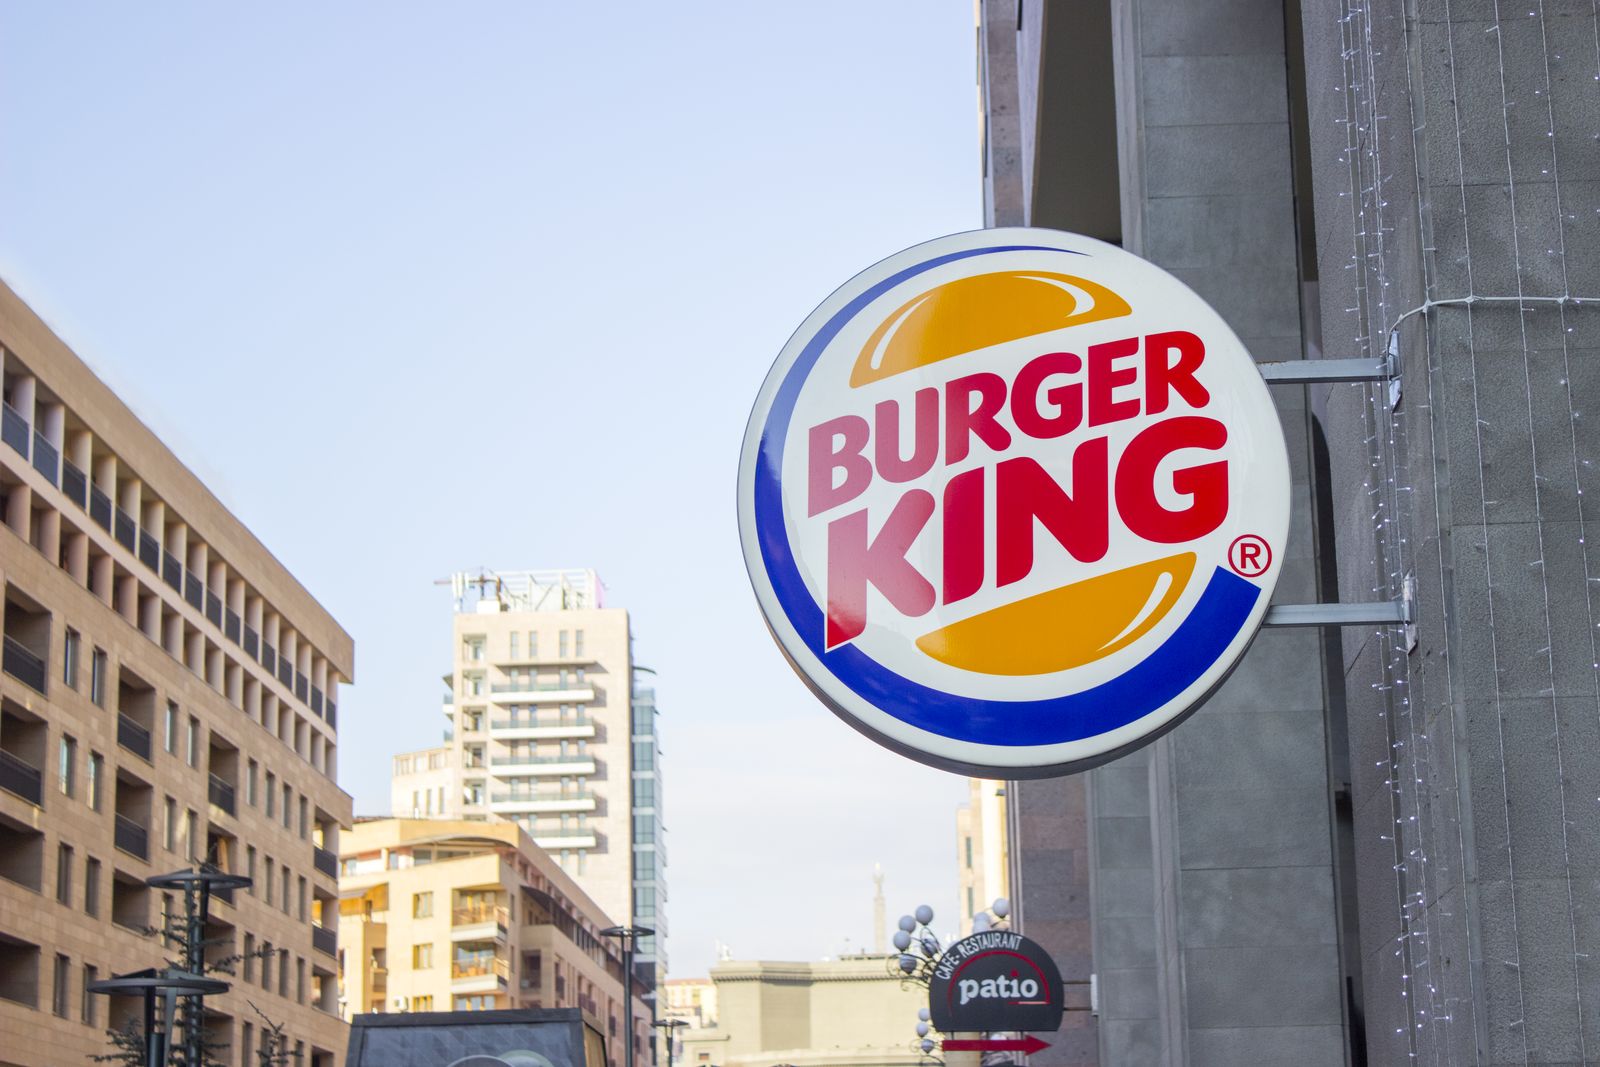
1457, 157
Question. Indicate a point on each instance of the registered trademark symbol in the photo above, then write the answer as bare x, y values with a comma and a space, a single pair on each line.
1250, 555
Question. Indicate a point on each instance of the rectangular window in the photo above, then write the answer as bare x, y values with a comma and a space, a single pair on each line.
170, 824
66, 766
64, 874
97, 780
170, 722
270, 867
422, 1003
422, 906
533, 644
69, 657
191, 830
284, 886
250, 868
288, 795
416, 804
247, 1036
561, 644
191, 743
91, 1001
422, 957
272, 793
302, 884
968, 841
283, 972
266, 964
513, 654
249, 961
91, 888
59, 999
251, 770
305, 820
577, 642
300, 979
97, 677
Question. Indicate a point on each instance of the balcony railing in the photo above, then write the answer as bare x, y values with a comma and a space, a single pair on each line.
221, 794
562, 835
19, 661
380, 979
516, 795
132, 838
538, 724
269, 657
331, 714
133, 737
194, 592
316, 701
46, 460
539, 687
480, 967
231, 625
14, 429
302, 687
537, 761
324, 861
251, 643
75, 484
149, 551
126, 531
472, 914
214, 609
325, 939
285, 671
99, 507
19, 776
172, 572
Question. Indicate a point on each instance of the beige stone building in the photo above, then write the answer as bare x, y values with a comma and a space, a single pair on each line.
981, 851
471, 915
694, 1000
548, 730
170, 695
850, 1012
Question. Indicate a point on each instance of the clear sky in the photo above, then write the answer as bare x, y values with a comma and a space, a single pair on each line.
417, 288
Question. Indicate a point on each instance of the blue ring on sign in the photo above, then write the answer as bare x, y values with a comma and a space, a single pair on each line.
1186, 654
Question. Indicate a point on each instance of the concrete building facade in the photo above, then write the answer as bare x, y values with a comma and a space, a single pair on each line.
169, 697
1376, 845
459, 915
981, 860
849, 1012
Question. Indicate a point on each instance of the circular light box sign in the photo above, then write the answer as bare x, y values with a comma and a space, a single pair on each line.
1013, 502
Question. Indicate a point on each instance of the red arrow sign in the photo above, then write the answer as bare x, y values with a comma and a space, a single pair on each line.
1027, 1044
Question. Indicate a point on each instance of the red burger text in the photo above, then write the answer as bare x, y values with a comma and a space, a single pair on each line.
1052, 396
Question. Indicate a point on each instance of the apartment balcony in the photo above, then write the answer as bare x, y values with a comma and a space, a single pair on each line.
133, 737
540, 729
20, 777
324, 861
534, 801
479, 974
23, 664
542, 693
14, 429
325, 939
521, 766
380, 979
221, 794
559, 839
46, 460
132, 838
479, 922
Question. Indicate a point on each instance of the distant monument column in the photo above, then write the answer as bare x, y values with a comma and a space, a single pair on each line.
880, 922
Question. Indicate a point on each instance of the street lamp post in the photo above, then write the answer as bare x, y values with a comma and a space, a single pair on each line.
671, 1026
628, 936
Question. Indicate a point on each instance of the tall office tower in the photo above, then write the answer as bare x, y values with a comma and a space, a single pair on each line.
169, 697
549, 732
981, 848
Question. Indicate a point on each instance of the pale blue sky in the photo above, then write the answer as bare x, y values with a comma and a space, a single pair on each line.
421, 287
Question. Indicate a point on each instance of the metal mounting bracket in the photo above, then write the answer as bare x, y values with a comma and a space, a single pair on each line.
1308, 371
1376, 613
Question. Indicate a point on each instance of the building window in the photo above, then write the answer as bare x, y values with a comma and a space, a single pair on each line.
270, 867
968, 842
513, 653
251, 770
302, 884
283, 972
69, 657
305, 820
577, 642
422, 957
60, 998
561, 644
191, 742
97, 776
91, 888
533, 644
249, 960
284, 885
66, 765
288, 795
191, 827
422, 1003
170, 724
250, 868
170, 824
272, 792
90, 1008
97, 677
266, 963
422, 906
64, 874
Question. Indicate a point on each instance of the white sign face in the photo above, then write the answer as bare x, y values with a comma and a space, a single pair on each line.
1013, 501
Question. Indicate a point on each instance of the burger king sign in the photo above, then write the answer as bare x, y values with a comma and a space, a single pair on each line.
1013, 502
